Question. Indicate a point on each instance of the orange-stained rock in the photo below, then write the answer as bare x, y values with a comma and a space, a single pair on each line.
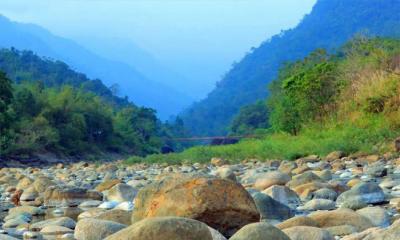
222, 204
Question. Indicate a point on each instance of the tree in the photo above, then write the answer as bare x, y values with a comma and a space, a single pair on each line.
6, 96
250, 118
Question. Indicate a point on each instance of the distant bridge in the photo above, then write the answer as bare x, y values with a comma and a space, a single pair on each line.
214, 138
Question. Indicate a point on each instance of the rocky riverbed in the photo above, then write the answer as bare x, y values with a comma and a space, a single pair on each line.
339, 197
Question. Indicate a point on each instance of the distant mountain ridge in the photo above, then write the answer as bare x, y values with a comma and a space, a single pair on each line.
330, 24
135, 85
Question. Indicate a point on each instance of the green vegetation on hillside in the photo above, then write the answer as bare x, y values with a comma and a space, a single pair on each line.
348, 101
330, 24
47, 107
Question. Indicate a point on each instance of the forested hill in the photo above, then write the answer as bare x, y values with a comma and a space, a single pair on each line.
26, 66
45, 106
330, 24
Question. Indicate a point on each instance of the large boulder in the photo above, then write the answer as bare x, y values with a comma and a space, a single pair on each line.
341, 217
222, 204
164, 228
259, 231
95, 229
71, 197
308, 233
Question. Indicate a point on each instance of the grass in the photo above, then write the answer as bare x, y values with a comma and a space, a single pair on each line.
369, 134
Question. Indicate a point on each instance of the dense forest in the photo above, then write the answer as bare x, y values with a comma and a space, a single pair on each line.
343, 101
47, 107
330, 24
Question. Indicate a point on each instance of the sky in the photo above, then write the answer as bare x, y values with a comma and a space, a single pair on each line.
199, 39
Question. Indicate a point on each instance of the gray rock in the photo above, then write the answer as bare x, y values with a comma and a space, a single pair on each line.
377, 215
271, 209
122, 193
366, 192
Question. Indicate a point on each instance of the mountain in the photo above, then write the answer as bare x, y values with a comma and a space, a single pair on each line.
329, 25
125, 50
140, 89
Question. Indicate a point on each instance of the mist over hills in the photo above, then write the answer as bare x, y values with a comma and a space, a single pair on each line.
141, 89
330, 24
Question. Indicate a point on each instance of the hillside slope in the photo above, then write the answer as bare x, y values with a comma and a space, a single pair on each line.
330, 24
133, 84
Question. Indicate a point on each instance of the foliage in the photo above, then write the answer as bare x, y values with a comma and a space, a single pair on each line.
348, 101
52, 108
328, 26
250, 118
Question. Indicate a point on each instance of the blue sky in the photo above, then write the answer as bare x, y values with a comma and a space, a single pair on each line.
186, 35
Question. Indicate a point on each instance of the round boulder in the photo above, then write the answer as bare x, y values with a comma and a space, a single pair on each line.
222, 204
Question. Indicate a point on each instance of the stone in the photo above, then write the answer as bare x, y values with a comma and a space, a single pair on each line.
342, 230
391, 233
116, 215
397, 144
225, 173
7, 237
41, 184
54, 230
54, 196
122, 193
366, 192
303, 178
24, 183
259, 231
96, 229
297, 221
377, 215
30, 194
108, 205
283, 195
222, 204
307, 233
216, 235
13, 223
126, 206
318, 204
341, 217
29, 235
164, 228
106, 185
335, 155
271, 209
269, 179
325, 193
34, 211
61, 221
90, 204
218, 162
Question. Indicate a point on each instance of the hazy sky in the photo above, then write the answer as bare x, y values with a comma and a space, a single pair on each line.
186, 35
